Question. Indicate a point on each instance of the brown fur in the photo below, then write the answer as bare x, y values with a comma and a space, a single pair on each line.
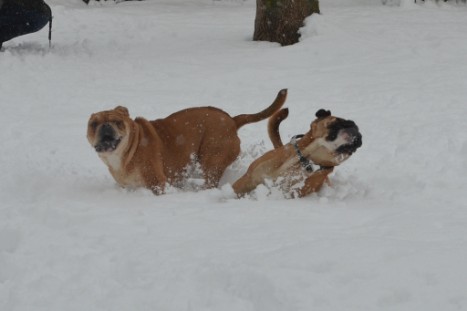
283, 161
152, 154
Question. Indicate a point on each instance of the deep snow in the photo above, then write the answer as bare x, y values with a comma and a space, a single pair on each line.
389, 234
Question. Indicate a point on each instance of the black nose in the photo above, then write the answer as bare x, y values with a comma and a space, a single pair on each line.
352, 131
106, 132
358, 140
355, 134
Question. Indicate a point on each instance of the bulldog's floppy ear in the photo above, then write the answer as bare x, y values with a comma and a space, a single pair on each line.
122, 110
323, 113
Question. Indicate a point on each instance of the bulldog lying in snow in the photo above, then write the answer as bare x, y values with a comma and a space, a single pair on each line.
328, 143
151, 154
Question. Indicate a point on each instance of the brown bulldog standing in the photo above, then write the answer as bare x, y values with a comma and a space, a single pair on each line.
151, 154
328, 143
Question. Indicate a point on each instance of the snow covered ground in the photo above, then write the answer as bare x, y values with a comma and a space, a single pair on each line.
390, 234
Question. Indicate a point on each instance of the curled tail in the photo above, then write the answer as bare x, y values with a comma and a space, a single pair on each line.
243, 119
273, 127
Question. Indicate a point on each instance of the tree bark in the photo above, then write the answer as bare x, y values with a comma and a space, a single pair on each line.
280, 20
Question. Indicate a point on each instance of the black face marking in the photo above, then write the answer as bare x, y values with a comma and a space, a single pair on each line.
106, 132
108, 139
351, 128
323, 113
338, 125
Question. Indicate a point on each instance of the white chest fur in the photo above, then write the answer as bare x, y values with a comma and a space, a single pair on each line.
112, 160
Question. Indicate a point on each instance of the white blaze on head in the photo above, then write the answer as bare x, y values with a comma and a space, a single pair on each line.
343, 138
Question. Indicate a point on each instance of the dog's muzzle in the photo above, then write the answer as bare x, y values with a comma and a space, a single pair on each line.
355, 141
352, 135
108, 139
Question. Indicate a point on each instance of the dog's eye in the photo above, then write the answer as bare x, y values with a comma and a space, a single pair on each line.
119, 124
93, 125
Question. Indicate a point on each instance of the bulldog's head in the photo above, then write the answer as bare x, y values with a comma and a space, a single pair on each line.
338, 138
107, 129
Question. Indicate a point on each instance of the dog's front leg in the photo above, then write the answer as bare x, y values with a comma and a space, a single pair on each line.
245, 185
314, 182
155, 180
157, 188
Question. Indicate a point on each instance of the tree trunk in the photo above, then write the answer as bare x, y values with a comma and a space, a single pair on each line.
280, 20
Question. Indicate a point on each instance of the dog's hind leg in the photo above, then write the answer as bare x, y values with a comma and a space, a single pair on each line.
215, 164
216, 153
213, 171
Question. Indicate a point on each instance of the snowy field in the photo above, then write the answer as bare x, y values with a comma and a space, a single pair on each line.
390, 234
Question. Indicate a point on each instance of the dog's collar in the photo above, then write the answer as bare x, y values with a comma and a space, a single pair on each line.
306, 163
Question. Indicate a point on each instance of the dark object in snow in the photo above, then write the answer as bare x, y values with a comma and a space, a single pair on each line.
21, 17
457, 1
280, 20
87, 1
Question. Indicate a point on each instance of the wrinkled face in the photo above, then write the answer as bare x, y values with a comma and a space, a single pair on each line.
339, 136
107, 129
